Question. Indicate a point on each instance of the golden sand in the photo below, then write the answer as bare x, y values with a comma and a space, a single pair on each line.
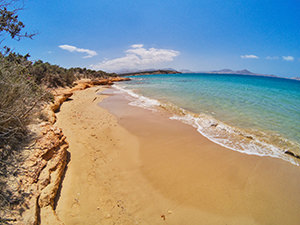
133, 166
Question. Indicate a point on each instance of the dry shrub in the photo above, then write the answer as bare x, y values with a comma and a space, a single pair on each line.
19, 96
22, 91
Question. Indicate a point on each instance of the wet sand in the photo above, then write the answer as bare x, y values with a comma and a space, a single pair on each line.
133, 166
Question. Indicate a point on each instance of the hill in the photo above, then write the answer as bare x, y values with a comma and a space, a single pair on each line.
149, 72
240, 72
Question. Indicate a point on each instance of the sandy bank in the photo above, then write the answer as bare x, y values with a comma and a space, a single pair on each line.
45, 158
138, 167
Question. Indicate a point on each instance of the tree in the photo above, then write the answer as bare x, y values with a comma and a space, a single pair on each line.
10, 23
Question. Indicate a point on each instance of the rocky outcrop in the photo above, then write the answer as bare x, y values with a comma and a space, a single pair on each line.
43, 172
44, 168
61, 95
292, 154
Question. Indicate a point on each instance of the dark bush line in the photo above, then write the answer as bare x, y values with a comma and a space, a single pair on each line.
55, 76
23, 87
48, 75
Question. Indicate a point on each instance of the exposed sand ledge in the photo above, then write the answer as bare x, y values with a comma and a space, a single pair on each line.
45, 166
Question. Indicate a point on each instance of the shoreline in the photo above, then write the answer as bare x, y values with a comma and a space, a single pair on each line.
246, 141
133, 170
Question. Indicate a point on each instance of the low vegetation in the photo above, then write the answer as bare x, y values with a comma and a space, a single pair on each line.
24, 88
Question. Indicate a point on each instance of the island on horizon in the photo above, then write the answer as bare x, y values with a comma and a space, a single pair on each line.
222, 71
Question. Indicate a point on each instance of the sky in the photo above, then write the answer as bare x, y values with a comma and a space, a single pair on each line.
262, 36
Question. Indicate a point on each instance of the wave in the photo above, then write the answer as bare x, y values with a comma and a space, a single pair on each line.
139, 100
247, 141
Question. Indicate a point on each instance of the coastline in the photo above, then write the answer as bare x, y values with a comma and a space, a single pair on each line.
247, 141
133, 170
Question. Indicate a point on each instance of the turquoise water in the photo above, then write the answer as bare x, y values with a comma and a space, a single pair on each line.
255, 115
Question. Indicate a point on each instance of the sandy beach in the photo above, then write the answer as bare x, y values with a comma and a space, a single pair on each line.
129, 165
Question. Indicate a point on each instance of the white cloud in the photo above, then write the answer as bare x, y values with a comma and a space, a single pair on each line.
288, 58
137, 57
137, 46
272, 57
70, 48
249, 57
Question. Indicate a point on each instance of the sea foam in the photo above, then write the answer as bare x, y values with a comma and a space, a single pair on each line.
232, 138
139, 100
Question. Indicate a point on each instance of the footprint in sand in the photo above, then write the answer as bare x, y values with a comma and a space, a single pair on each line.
75, 203
91, 176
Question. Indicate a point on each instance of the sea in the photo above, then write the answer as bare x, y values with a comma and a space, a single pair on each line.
254, 115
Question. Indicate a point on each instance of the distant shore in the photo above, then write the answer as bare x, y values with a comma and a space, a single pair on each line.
224, 72
133, 166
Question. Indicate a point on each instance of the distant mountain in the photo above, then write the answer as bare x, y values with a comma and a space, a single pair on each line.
229, 71
240, 72
224, 71
149, 72
186, 71
295, 78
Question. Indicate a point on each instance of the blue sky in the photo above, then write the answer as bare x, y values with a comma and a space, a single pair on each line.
200, 35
